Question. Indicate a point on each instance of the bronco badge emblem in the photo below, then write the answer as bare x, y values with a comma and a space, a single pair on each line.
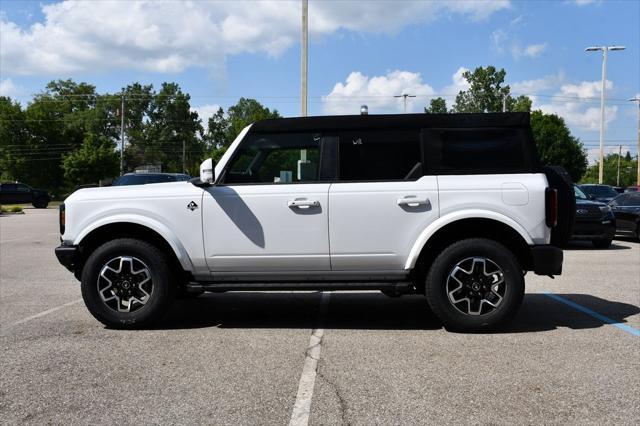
192, 206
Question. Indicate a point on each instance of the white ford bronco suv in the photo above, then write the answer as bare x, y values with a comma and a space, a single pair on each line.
452, 206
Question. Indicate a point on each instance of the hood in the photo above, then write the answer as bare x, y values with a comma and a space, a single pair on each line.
151, 190
580, 202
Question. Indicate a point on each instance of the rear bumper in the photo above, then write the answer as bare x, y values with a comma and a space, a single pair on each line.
547, 260
67, 256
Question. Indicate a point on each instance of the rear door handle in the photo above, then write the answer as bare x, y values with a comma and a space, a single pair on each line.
302, 204
411, 201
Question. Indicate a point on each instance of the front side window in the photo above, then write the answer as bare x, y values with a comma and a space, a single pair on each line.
275, 158
22, 188
371, 155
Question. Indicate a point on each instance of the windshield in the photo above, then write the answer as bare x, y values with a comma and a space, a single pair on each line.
579, 194
600, 190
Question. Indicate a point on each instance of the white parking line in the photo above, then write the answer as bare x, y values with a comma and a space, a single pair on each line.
43, 313
302, 407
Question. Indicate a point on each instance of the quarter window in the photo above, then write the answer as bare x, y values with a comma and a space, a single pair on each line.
370, 155
276, 158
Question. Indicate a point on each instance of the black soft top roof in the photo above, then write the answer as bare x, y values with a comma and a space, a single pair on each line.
393, 121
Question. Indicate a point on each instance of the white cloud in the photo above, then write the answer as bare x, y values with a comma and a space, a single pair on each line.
377, 93
585, 2
172, 36
8, 88
205, 112
573, 102
535, 50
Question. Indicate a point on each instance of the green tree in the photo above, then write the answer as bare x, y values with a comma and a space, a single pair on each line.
217, 133
628, 168
437, 106
245, 112
556, 145
170, 125
94, 160
486, 91
14, 147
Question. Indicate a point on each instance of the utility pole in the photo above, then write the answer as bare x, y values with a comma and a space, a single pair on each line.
619, 154
504, 103
121, 134
304, 57
183, 158
637, 100
604, 50
404, 96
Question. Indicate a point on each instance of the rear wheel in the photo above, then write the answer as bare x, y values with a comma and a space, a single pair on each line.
602, 243
126, 283
475, 285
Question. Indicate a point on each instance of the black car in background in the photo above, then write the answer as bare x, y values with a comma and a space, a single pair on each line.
626, 208
602, 193
594, 221
20, 193
144, 178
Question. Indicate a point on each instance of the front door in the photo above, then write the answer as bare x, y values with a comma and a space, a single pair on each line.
269, 212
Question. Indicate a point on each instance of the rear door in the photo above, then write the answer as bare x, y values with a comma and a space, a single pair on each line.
381, 200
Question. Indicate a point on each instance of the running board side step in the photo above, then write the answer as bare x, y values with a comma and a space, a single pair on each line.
391, 287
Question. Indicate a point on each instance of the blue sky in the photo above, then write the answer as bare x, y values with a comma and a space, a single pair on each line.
359, 52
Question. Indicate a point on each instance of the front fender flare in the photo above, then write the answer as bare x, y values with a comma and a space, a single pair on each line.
160, 228
441, 222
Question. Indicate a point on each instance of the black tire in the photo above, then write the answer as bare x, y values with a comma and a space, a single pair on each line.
161, 278
602, 243
40, 203
436, 285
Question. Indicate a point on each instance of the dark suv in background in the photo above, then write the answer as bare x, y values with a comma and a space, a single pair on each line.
20, 193
594, 221
626, 208
601, 193
145, 178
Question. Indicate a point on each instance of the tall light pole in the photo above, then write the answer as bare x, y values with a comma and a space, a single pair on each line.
122, 134
637, 100
404, 96
303, 55
604, 50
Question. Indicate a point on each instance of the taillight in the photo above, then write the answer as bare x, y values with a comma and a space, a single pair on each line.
551, 207
62, 218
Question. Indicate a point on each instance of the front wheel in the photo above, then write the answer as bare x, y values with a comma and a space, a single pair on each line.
40, 203
475, 285
126, 283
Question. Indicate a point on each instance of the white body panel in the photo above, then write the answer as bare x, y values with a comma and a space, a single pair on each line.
161, 207
373, 225
254, 228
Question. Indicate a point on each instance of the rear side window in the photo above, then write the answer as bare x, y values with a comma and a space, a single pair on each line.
370, 155
477, 151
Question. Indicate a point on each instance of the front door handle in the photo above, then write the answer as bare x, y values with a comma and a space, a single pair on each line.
411, 201
303, 204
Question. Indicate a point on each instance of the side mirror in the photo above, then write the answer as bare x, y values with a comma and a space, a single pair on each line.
207, 171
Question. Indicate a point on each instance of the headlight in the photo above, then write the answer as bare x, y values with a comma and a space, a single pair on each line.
605, 209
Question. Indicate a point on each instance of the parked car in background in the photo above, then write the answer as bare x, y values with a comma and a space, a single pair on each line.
632, 189
626, 208
144, 178
20, 193
601, 193
618, 189
594, 221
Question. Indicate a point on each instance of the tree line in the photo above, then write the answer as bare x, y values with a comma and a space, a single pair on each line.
69, 134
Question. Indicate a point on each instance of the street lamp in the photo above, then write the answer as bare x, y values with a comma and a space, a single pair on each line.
604, 50
637, 100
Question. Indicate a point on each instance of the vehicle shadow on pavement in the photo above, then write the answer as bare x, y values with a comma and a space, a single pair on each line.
587, 245
374, 311
363, 310
539, 312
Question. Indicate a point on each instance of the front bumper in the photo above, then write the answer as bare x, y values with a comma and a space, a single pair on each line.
590, 230
547, 260
67, 256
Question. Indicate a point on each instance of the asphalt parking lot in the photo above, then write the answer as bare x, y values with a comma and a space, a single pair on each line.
572, 354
